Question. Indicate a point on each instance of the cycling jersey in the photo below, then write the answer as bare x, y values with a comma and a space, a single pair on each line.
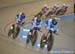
49, 25
36, 23
20, 19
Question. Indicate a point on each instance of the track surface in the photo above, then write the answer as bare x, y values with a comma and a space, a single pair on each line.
64, 41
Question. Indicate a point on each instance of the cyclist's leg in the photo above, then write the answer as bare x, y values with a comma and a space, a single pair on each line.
31, 30
39, 29
45, 35
55, 31
46, 32
18, 30
39, 14
58, 11
49, 13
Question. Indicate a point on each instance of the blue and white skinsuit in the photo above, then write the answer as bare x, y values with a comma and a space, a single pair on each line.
19, 19
50, 26
36, 23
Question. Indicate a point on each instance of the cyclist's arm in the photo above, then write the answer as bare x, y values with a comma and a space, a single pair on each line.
17, 18
24, 19
33, 22
40, 23
11, 28
46, 23
49, 24
55, 27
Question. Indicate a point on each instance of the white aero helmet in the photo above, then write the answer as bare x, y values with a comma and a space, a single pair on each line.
65, 4
46, 6
21, 13
56, 5
57, 18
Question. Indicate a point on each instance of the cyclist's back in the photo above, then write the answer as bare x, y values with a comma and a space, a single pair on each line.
64, 7
36, 22
51, 24
20, 18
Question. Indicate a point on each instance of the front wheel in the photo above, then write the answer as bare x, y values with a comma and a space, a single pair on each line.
42, 44
9, 33
28, 39
15, 35
50, 42
34, 38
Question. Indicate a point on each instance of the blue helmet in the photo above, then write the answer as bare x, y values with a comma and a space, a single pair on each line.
54, 21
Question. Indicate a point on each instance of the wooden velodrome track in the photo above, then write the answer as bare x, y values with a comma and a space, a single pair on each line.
8, 11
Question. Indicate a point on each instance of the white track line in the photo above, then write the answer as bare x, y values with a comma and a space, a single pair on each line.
24, 37
26, 30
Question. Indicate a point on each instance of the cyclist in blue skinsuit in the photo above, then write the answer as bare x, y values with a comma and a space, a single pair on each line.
21, 18
51, 24
36, 24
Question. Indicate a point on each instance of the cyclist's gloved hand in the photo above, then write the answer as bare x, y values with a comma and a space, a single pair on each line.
39, 26
11, 27
52, 29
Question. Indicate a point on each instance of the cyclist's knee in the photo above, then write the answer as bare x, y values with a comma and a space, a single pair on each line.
54, 31
31, 30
